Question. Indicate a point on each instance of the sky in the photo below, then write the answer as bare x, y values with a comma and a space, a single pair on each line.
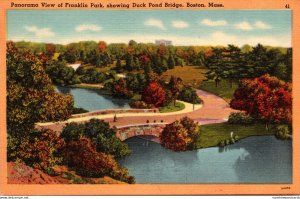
188, 27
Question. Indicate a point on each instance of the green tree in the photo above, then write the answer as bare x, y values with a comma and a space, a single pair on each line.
31, 97
171, 62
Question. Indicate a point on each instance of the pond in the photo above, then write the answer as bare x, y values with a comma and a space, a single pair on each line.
260, 159
93, 100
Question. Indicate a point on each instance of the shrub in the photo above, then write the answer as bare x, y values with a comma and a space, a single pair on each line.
41, 149
140, 105
79, 110
282, 132
227, 142
188, 94
82, 155
236, 137
240, 118
180, 135
222, 143
232, 141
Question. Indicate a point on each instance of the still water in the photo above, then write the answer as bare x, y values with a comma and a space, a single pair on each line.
93, 100
262, 159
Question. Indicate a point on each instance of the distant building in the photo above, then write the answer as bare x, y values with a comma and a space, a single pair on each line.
165, 42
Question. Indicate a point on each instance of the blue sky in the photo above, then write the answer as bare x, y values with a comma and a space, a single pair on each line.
189, 27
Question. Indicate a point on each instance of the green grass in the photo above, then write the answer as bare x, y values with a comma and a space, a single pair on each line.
223, 90
171, 108
212, 134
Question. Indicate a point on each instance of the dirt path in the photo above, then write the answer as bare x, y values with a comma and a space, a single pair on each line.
213, 110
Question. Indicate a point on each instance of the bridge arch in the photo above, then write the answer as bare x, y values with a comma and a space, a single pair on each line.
128, 131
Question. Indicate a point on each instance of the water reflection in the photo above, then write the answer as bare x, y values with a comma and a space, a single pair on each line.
253, 160
92, 100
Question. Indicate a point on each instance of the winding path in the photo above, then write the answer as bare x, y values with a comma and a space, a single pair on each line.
213, 110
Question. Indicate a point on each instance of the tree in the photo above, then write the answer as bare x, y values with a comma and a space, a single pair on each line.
120, 88
31, 97
188, 94
180, 135
175, 85
154, 94
265, 98
280, 71
61, 74
41, 149
82, 155
102, 46
50, 50
171, 62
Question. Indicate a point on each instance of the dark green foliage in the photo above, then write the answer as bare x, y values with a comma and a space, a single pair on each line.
240, 118
171, 62
91, 76
100, 133
188, 94
136, 82
77, 110
61, 74
233, 64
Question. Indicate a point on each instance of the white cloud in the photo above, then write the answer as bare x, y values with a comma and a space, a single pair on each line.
244, 25
216, 38
155, 23
180, 24
88, 27
40, 32
209, 22
262, 25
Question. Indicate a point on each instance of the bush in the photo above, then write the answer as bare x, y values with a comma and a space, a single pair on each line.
232, 140
41, 149
240, 118
82, 155
283, 132
79, 110
236, 137
227, 142
140, 105
222, 143
180, 135
188, 94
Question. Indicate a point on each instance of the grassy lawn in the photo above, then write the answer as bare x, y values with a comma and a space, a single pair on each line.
171, 108
191, 75
223, 90
212, 134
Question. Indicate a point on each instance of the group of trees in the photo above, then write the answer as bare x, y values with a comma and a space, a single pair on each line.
233, 64
31, 97
154, 91
265, 98
90, 148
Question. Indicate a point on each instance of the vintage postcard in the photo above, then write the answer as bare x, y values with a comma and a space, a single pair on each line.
149, 98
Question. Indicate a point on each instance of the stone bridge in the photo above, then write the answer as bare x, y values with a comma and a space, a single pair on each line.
153, 129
